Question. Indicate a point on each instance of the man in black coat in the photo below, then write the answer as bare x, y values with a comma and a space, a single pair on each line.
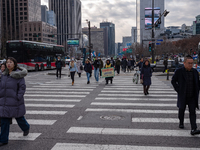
186, 83
59, 66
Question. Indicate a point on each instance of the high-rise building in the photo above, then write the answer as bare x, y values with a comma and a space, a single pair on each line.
44, 10
134, 34
97, 39
196, 26
110, 27
68, 19
14, 12
51, 18
126, 41
144, 19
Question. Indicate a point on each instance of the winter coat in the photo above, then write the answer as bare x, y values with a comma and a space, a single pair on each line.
140, 64
96, 64
129, 63
179, 83
112, 62
118, 63
73, 69
12, 89
146, 74
59, 64
101, 64
88, 68
79, 64
165, 63
124, 63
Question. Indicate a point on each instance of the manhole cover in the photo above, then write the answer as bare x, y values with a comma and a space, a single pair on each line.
111, 118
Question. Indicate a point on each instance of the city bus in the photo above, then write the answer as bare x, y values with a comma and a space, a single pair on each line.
35, 55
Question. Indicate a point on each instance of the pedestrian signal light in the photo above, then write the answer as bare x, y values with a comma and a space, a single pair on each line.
149, 47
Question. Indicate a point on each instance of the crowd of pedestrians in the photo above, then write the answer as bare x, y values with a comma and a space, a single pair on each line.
185, 82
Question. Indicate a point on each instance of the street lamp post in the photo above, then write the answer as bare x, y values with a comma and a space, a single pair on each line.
153, 43
89, 30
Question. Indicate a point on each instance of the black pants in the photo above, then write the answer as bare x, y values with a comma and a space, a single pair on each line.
192, 113
58, 70
79, 74
100, 72
72, 76
165, 69
146, 88
118, 69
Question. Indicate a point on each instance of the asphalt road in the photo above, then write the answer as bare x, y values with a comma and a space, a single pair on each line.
99, 116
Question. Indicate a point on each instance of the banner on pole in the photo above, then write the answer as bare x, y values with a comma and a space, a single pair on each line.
108, 72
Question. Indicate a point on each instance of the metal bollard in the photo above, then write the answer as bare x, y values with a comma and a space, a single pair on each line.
167, 74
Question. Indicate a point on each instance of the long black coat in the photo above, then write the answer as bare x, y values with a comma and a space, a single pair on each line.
179, 83
146, 73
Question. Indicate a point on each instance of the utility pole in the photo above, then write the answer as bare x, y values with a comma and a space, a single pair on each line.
89, 39
153, 36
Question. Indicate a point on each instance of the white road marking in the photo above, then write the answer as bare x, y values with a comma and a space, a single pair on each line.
133, 91
56, 96
50, 105
132, 95
80, 118
135, 99
160, 120
53, 100
133, 104
56, 92
138, 89
19, 136
48, 89
133, 111
63, 86
38, 122
121, 131
37, 112
78, 146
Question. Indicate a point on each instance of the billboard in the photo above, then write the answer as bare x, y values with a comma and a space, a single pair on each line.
73, 43
148, 17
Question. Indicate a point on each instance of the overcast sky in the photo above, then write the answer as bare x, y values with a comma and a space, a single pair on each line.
123, 13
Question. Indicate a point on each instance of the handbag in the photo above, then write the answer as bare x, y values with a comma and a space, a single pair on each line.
81, 67
141, 80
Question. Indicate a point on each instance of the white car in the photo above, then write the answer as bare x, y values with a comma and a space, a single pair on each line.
2, 61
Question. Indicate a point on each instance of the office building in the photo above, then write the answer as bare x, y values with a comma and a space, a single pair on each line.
134, 34
14, 12
126, 41
110, 29
68, 19
51, 18
97, 39
38, 31
144, 19
44, 10
196, 25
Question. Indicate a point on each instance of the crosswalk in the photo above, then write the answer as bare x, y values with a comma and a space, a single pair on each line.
151, 117
48, 99
129, 116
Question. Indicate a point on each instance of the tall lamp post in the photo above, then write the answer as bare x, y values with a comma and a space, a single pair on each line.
153, 43
89, 30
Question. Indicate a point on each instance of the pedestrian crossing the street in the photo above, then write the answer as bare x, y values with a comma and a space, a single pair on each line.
146, 111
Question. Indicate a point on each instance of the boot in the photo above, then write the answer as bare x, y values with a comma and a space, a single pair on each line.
144, 89
147, 89
72, 82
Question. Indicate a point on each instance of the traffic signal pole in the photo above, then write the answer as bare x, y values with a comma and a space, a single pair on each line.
153, 35
89, 29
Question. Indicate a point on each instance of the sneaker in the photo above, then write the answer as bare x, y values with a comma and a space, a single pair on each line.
26, 132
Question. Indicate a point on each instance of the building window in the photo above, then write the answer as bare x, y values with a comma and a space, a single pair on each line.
25, 13
21, 13
25, 18
39, 34
30, 28
30, 34
25, 29
20, 4
35, 39
39, 28
34, 28
21, 9
30, 39
39, 39
25, 4
21, 18
25, 34
25, 8
26, 39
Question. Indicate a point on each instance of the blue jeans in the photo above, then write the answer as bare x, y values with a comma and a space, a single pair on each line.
88, 76
5, 127
96, 74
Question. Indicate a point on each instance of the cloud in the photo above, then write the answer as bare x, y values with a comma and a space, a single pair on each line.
123, 13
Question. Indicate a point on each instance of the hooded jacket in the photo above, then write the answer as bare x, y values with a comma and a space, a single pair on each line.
12, 90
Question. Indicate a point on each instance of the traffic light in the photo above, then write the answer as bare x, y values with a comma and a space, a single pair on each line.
50, 35
149, 47
166, 13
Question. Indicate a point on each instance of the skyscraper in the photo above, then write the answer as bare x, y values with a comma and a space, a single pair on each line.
144, 19
44, 13
14, 12
110, 27
68, 18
